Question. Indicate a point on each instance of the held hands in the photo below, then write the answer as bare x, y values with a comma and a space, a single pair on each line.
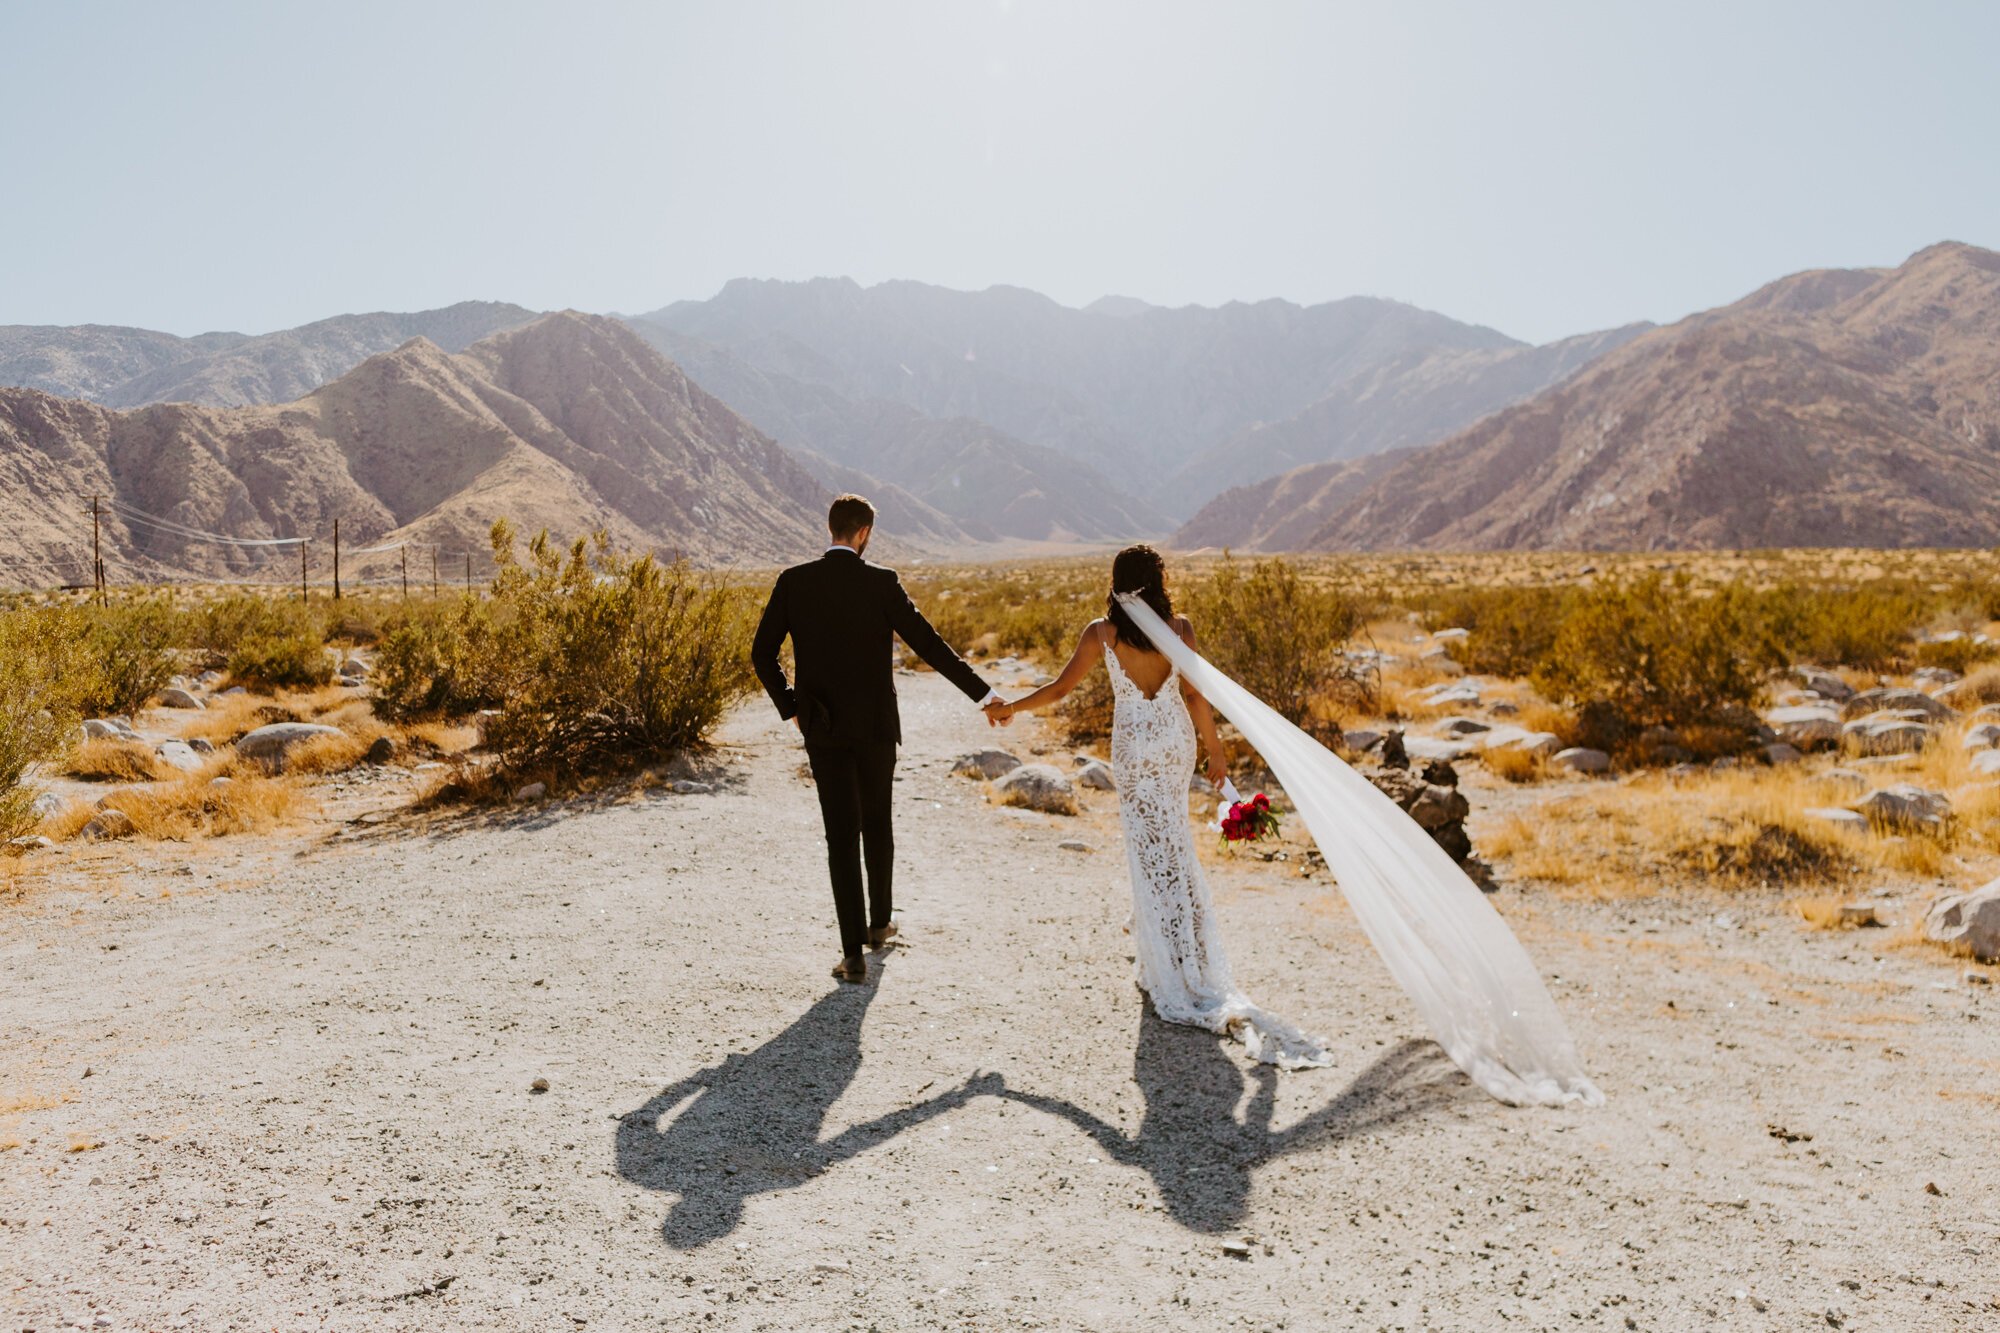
999, 713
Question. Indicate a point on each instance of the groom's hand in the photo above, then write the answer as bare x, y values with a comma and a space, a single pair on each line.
999, 713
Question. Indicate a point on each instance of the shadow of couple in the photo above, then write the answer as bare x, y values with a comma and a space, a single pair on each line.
752, 1124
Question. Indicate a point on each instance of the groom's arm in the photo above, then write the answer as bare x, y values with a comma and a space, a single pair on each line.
927, 643
771, 632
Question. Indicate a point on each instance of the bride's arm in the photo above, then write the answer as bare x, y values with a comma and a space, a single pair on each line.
1089, 649
1217, 767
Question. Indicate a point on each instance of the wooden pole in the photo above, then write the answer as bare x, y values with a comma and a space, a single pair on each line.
468, 571
434, 573
303, 595
404, 555
96, 552
336, 560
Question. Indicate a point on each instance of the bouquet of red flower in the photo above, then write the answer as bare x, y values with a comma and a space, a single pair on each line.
1247, 821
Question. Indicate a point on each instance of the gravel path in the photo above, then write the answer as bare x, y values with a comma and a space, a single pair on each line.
287, 1084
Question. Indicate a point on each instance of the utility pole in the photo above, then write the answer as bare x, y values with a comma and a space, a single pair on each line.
96, 552
468, 571
336, 560
303, 596
434, 573
405, 557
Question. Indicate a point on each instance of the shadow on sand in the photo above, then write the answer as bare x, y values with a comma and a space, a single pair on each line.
1202, 1156
752, 1124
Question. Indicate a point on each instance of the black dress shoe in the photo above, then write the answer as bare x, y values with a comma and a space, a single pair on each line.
853, 969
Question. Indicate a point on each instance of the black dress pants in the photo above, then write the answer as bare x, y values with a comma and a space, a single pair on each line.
856, 784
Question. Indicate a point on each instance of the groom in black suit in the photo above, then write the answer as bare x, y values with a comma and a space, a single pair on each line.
840, 612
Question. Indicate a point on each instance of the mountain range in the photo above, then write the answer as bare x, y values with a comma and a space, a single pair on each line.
570, 423
1832, 407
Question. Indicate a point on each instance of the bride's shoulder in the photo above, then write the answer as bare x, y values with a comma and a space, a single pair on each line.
1185, 628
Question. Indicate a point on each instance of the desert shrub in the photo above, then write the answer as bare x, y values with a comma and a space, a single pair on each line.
1037, 615
130, 647
1085, 717
1981, 686
1867, 627
114, 759
606, 660
1961, 654
263, 643
1280, 637
44, 657
1657, 653
1512, 629
439, 660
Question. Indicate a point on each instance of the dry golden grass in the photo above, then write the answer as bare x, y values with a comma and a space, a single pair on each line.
1820, 913
83, 1143
1516, 764
441, 738
64, 823
15, 1103
8, 1142
1980, 686
226, 718
325, 754
194, 806
107, 760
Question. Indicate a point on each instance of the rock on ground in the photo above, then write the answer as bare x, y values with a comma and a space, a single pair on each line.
1971, 919
176, 697
268, 744
988, 764
1096, 776
1583, 759
1038, 787
1905, 807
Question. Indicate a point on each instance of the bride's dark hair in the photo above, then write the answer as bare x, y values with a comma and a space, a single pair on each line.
1138, 569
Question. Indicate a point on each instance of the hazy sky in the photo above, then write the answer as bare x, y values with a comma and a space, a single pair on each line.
1544, 168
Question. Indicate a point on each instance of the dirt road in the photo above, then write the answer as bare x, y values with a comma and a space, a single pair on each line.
287, 1084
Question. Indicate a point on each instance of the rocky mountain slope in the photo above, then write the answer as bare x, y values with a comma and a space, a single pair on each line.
1133, 391
1829, 408
121, 367
571, 422
1418, 398
1285, 512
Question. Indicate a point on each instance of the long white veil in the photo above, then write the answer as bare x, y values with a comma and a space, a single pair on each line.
1468, 976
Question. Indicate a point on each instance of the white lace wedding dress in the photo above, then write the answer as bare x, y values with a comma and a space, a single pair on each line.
1182, 966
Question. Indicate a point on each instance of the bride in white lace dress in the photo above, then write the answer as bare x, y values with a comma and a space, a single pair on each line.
1156, 720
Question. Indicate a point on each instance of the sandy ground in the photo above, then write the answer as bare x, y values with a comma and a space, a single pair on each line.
285, 1084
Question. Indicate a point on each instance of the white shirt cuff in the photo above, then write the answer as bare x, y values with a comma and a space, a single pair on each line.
992, 697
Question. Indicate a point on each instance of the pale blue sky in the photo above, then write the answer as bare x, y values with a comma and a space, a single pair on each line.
1544, 168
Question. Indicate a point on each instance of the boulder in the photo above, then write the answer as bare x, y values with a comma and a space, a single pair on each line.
1038, 787
1905, 807
1582, 759
109, 729
1439, 810
46, 806
1844, 819
1877, 735
1096, 776
1808, 726
354, 667
32, 842
1982, 737
382, 750
1932, 679
1507, 736
178, 754
176, 697
1891, 698
1780, 753
1451, 635
534, 791
1437, 806
269, 743
1986, 710
987, 764
1463, 726
233, 689
1451, 694
1430, 747
1968, 919
202, 745
107, 824
1823, 683
208, 680
1849, 777
1360, 741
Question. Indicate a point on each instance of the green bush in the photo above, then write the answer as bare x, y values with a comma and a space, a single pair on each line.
1658, 653
130, 646
1513, 629
44, 663
604, 660
263, 643
439, 659
1867, 627
1280, 637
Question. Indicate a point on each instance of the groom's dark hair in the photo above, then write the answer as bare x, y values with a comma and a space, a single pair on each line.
1142, 570
849, 514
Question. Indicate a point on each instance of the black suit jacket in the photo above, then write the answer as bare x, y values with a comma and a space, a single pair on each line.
840, 612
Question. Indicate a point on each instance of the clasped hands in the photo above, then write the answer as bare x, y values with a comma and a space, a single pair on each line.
999, 713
